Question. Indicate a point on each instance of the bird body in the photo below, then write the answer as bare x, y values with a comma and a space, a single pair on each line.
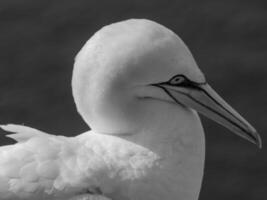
136, 84
43, 166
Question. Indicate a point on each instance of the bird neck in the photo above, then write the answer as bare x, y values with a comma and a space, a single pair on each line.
179, 130
181, 151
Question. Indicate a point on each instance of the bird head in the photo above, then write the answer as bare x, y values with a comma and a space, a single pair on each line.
137, 72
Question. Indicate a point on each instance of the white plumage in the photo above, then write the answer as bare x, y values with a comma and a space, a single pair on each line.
137, 86
42, 166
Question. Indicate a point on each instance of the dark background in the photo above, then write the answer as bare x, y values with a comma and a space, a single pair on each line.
39, 39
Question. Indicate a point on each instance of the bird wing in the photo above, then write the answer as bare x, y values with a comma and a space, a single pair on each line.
44, 166
22, 133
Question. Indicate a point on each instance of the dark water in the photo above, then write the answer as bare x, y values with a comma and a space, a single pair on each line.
39, 39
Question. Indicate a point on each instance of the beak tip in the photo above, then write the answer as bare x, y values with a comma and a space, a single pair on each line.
258, 141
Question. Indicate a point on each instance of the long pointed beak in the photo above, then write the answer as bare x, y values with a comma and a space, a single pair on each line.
205, 100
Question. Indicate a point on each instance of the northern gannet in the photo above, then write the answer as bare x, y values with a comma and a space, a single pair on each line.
138, 87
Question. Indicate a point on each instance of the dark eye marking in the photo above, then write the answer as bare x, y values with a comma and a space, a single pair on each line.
177, 80
181, 80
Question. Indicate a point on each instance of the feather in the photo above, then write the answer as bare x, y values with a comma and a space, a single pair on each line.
44, 166
22, 133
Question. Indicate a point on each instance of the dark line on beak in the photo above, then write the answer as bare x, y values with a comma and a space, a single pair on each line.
197, 86
254, 138
176, 101
220, 105
248, 134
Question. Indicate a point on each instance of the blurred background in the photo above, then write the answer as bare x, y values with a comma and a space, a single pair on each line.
39, 39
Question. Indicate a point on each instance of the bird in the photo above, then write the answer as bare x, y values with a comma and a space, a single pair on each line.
139, 89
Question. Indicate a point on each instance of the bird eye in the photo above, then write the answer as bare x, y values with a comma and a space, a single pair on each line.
177, 80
